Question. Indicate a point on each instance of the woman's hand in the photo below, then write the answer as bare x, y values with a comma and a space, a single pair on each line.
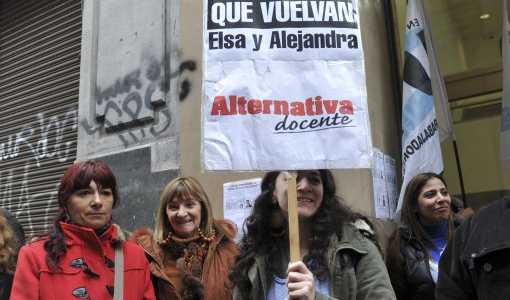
300, 284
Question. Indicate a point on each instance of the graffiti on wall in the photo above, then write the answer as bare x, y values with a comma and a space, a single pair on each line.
26, 157
185, 86
131, 100
45, 140
134, 106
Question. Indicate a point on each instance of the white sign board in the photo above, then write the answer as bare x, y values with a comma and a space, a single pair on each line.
284, 86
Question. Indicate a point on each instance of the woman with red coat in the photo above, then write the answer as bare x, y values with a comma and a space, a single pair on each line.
77, 258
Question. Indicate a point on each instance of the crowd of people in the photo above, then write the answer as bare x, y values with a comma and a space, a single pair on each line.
435, 252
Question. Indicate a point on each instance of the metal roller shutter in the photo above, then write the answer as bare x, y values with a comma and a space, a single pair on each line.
39, 80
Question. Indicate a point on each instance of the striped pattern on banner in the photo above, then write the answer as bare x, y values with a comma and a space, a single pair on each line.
505, 113
421, 150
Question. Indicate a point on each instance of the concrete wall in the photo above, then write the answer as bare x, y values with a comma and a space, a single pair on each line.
477, 123
118, 61
129, 98
140, 189
128, 80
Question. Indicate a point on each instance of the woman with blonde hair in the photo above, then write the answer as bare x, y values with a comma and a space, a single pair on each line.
7, 258
190, 252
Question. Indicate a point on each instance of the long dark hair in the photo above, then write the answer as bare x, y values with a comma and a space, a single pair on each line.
257, 239
409, 219
77, 176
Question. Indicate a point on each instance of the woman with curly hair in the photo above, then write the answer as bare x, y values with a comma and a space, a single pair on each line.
340, 256
7, 258
84, 255
190, 251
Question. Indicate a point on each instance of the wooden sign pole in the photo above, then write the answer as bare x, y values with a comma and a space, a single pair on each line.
295, 252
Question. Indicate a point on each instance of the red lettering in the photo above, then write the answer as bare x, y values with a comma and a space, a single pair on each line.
298, 109
220, 106
318, 105
242, 105
330, 106
267, 106
346, 107
254, 107
233, 104
309, 106
281, 107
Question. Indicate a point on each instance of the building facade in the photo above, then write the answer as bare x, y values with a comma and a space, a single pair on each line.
121, 81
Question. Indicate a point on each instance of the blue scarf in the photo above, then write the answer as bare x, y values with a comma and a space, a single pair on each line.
438, 236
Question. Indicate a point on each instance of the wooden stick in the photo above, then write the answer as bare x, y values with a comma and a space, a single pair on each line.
295, 252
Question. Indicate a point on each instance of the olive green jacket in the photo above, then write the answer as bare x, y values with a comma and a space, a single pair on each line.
366, 279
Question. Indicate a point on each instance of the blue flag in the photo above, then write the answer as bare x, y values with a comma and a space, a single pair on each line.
421, 149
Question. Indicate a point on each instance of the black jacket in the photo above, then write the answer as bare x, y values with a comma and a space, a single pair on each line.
411, 279
5, 285
476, 263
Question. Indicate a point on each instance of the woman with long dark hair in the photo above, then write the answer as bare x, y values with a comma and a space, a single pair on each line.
340, 257
82, 255
425, 228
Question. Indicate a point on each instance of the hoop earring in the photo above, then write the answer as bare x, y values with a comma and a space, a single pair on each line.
276, 222
66, 218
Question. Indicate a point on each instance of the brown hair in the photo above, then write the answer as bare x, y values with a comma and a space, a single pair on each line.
80, 175
77, 176
409, 218
183, 187
409, 213
7, 247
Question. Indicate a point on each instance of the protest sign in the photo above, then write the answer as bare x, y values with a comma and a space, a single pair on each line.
284, 86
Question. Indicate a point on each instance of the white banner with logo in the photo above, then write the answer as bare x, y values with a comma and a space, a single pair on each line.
284, 86
421, 144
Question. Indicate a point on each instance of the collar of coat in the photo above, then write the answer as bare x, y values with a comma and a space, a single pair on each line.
76, 234
114, 233
486, 231
144, 238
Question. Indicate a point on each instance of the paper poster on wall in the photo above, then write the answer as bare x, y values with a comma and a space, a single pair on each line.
238, 198
390, 171
284, 86
382, 207
385, 185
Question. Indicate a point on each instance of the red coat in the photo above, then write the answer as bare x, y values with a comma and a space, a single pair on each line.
35, 280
